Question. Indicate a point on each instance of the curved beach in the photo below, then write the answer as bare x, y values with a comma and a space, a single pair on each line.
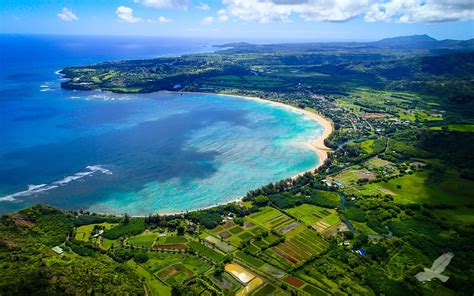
317, 146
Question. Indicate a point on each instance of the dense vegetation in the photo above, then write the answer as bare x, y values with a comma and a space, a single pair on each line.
395, 193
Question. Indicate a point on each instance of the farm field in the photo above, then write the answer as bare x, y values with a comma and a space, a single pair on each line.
170, 242
240, 273
300, 245
225, 282
205, 251
230, 236
182, 270
269, 218
250, 287
221, 245
321, 219
153, 285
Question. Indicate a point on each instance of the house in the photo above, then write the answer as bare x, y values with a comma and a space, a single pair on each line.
328, 183
58, 250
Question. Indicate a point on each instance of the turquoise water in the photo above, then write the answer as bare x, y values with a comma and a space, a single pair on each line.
140, 154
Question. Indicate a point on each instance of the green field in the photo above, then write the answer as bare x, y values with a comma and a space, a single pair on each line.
182, 270
206, 251
83, 233
421, 188
269, 218
143, 240
255, 262
301, 244
153, 285
310, 214
171, 239
158, 261
108, 243
465, 128
376, 162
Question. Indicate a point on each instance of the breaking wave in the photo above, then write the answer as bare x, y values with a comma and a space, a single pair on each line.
36, 189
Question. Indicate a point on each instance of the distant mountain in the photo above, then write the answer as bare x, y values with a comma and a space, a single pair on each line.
409, 42
412, 43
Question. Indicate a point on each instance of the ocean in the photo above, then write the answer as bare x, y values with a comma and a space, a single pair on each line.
135, 154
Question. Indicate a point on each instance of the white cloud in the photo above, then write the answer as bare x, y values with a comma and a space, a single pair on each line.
222, 16
208, 20
265, 11
67, 15
163, 20
183, 4
421, 11
126, 14
203, 6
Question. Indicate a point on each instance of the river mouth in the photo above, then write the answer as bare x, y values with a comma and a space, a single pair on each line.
149, 153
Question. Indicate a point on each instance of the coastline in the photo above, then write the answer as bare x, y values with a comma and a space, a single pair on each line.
317, 145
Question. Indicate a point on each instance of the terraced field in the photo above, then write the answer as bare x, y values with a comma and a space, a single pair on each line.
300, 245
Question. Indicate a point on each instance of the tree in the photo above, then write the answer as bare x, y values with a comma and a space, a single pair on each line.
180, 229
126, 219
219, 270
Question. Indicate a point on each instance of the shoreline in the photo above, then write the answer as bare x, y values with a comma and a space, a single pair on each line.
316, 146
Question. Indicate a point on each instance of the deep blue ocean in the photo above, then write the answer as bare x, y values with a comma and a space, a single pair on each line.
141, 153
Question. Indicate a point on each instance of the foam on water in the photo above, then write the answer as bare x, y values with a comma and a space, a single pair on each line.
36, 189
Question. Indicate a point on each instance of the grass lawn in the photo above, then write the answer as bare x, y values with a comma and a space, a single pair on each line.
108, 243
377, 162
83, 233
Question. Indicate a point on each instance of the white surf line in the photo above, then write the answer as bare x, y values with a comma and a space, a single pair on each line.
36, 189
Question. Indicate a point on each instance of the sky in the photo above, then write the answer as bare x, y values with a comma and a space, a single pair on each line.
242, 20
